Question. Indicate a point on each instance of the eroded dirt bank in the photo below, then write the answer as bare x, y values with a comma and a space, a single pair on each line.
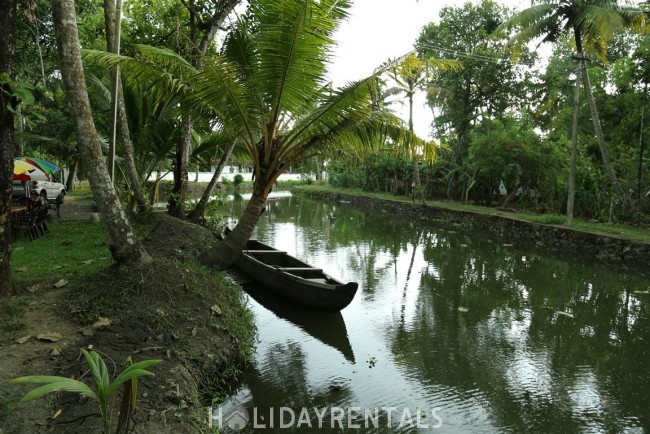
190, 317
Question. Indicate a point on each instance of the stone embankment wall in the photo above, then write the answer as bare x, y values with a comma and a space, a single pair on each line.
608, 248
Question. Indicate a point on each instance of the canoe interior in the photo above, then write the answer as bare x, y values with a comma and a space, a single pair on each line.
286, 263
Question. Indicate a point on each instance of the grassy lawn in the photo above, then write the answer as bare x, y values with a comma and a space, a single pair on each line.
70, 249
81, 193
619, 230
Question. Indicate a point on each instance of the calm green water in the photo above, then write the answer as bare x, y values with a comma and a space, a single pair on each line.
458, 328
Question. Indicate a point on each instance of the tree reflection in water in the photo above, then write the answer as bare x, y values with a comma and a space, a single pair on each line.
512, 362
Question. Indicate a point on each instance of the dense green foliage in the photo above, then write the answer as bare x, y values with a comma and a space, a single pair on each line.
504, 126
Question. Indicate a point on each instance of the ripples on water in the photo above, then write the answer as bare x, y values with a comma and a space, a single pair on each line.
448, 320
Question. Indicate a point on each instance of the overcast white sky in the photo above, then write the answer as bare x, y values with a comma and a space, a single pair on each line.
381, 29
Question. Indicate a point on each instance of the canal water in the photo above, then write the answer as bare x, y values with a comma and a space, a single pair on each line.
451, 331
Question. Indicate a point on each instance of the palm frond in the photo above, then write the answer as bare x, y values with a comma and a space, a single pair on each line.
209, 146
219, 87
52, 384
164, 71
348, 105
598, 23
528, 25
293, 45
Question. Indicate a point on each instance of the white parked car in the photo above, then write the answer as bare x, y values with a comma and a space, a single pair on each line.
40, 183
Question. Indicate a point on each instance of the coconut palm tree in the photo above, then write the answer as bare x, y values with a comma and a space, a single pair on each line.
591, 24
410, 75
268, 88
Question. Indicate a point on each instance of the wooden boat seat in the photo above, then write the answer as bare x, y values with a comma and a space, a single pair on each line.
320, 270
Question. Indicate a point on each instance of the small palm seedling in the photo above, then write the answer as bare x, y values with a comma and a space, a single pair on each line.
104, 392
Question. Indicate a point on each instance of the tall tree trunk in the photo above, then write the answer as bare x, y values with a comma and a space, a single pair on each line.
574, 149
600, 138
639, 177
416, 168
7, 63
177, 197
224, 254
111, 11
123, 243
199, 210
20, 129
72, 174
319, 172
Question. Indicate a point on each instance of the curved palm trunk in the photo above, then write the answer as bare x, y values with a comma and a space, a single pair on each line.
600, 138
224, 254
7, 61
123, 243
199, 210
129, 153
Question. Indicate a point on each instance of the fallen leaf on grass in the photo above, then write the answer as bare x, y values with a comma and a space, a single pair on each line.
56, 351
102, 322
23, 269
88, 262
566, 314
642, 292
58, 412
32, 289
507, 245
52, 336
216, 309
61, 283
18, 248
23, 339
462, 309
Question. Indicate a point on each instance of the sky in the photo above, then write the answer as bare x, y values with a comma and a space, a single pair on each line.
381, 29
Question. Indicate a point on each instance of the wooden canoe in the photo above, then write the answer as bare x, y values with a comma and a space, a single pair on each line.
294, 279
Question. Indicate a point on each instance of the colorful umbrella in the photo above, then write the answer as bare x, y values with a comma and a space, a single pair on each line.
41, 164
21, 167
